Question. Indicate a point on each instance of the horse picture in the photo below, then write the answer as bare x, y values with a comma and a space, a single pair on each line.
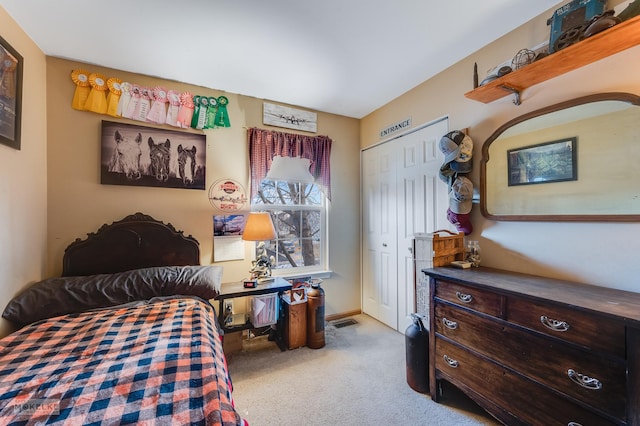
168, 159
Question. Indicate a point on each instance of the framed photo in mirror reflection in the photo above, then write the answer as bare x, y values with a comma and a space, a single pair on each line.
545, 162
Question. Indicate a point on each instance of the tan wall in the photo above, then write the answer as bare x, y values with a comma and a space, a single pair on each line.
23, 177
78, 203
595, 253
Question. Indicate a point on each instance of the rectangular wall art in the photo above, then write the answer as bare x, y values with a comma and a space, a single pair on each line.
543, 163
10, 95
146, 156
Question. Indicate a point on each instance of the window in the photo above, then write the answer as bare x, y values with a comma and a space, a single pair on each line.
298, 211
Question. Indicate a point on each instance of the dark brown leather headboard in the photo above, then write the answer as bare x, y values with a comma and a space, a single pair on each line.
137, 241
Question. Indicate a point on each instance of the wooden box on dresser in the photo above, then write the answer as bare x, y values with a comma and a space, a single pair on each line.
535, 350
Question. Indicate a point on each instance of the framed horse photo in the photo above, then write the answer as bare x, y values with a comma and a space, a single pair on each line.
10, 95
146, 156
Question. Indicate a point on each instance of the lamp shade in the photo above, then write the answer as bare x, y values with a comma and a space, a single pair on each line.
290, 169
259, 227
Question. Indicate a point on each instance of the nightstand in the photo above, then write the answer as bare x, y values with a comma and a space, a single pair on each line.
236, 289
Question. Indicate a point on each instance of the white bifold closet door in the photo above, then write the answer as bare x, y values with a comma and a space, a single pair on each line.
401, 195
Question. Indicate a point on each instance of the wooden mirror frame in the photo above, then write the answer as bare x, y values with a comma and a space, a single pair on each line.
614, 96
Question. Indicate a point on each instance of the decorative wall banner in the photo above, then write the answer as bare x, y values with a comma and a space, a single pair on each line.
227, 195
145, 156
10, 95
290, 118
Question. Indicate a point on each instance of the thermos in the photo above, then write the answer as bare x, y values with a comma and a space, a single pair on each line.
315, 316
417, 347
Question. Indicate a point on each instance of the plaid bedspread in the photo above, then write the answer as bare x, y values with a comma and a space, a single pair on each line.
160, 362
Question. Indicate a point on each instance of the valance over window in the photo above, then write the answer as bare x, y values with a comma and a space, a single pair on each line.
265, 144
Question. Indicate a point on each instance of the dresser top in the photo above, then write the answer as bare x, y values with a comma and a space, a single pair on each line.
621, 304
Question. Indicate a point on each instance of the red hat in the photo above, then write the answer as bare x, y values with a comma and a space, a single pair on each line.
461, 221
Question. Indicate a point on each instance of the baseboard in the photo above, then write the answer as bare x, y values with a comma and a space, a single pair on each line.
342, 315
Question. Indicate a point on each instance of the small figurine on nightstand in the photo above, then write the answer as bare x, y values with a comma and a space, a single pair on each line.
261, 269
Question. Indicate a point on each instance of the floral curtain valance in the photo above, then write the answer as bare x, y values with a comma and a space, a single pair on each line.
265, 144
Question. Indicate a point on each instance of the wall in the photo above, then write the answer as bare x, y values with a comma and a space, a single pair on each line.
78, 203
23, 177
594, 253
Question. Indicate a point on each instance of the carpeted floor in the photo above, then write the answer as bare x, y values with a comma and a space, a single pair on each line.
358, 378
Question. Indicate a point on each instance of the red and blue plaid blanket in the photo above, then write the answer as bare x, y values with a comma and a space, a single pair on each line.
159, 362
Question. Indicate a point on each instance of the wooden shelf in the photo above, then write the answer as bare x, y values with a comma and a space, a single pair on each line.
606, 43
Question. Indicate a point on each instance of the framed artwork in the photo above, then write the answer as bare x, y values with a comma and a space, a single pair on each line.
147, 156
289, 118
10, 95
546, 162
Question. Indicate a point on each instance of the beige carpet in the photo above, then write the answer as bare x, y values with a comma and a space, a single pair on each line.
358, 378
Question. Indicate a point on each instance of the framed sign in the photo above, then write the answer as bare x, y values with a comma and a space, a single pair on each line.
546, 162
10, 95
290, 118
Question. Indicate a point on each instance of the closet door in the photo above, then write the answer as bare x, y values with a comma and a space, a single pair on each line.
422, 205
379, 246
401, 195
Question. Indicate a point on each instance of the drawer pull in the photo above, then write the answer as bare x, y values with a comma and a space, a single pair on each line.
450, 361
584, 381
464, 298
554, 325
574, 424
451, 325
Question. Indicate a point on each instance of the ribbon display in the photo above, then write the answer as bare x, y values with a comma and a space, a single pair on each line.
81, 79
113, 97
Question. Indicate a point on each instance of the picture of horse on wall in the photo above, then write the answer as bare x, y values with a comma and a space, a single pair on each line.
147, 156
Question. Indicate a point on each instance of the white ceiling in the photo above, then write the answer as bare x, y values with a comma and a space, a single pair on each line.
347, 57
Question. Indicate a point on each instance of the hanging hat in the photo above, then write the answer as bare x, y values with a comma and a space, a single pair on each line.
462, 222
460, 195
450, 145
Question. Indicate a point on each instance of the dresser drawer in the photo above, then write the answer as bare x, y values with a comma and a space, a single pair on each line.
594, 332
525, 399
470, 297
560, 366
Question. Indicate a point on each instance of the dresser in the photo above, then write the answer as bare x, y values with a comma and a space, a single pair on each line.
535, 351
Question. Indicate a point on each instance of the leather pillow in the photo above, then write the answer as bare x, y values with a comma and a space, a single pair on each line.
66, 295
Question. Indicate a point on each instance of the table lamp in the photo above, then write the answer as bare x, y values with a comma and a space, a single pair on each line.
259, 227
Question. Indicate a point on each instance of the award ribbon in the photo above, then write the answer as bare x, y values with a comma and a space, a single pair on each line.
140, 114
81, 79
97, 99
185, 113
113, 97
158, 111
211, 113
202, 113
196, 112
125, 97
222, 116
173, 98
133, 102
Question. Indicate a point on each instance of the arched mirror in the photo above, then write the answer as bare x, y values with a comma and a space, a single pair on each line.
575, 161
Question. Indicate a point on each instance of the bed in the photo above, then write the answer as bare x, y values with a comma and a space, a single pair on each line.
125, 336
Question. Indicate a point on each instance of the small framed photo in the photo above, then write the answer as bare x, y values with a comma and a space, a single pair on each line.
546, 162
10, 95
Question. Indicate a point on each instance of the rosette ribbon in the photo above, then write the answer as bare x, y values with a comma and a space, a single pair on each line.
185, 113
83, 88
222, 116
140, 114
212, 109
97, 99
173, 98
134, 102
113, 97
196, 112
125, 98
202, 112
158, 111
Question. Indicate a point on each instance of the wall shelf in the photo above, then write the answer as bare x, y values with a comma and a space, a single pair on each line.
606, 43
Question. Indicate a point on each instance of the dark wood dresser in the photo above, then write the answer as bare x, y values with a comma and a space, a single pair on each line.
535, 350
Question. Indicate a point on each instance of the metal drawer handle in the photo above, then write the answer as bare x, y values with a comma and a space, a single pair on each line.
584, 381
451, 325
553, 324
464, 298
574, 424
451, 362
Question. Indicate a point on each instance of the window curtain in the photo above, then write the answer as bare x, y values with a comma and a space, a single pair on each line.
265, 144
